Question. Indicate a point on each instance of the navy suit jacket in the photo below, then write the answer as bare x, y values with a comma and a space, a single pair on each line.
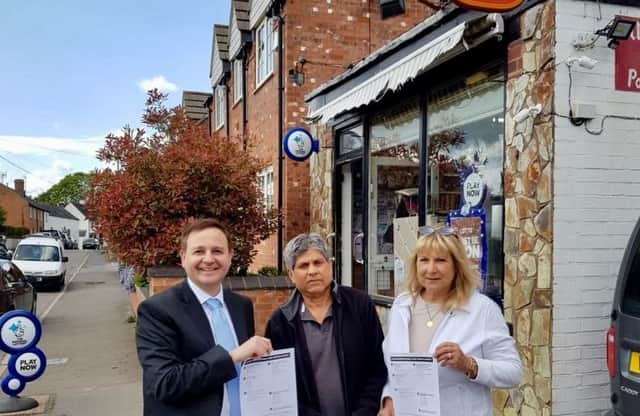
183, 370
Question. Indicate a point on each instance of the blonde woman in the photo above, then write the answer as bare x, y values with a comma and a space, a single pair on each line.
444, 315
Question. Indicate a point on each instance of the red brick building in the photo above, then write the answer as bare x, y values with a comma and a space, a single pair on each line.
272, 46
21, 210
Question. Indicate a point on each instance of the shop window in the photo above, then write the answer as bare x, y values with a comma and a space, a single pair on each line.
393, 196
466, 134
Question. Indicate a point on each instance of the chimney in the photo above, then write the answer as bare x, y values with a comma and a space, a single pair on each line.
18, 185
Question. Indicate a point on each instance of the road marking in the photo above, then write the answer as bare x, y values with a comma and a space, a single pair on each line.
44, 315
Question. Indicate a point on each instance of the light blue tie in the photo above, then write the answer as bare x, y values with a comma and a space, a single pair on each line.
224, 337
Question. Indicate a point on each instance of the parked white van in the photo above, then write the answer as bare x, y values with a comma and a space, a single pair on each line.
42, 261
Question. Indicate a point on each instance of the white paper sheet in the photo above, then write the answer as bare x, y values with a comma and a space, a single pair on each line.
414, 385
268, 385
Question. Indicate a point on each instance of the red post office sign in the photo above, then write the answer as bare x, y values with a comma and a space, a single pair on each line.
628, 60
489, 5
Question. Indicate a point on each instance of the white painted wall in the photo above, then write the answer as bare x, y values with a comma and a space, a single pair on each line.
83, 223
597, 201
57, 223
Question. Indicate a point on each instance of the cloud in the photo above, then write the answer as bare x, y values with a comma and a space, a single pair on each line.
43, 161
40, 146
159, 82
42, 179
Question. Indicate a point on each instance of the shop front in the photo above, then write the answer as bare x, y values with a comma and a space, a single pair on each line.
424, 132
401, 161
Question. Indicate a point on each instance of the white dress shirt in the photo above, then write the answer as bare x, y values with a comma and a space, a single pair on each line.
480, 330
202, 297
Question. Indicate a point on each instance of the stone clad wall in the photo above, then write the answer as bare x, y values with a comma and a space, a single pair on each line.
528, 234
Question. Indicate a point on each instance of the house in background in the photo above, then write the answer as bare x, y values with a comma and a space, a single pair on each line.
85, 227
263, 61
58, 218
21, 210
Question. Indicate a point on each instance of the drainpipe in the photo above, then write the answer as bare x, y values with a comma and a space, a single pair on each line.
227, 108
245, 71
277, 14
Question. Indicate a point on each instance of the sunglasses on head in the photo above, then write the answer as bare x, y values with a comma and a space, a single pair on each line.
445, 231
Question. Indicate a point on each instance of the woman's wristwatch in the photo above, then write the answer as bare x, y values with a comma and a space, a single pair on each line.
472, 368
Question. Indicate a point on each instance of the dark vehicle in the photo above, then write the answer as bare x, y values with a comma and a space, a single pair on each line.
91, 243
67, 242
4, 253
15, 291
53, 233
623, 337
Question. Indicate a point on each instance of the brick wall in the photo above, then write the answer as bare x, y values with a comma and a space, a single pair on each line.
597, 201
329, 35
265, 300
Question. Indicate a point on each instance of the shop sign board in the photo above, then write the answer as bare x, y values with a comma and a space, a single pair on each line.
470, 221
627, 60
489, 5
299, 144
20, 331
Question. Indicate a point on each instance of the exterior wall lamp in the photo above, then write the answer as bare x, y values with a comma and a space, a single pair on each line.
296, 74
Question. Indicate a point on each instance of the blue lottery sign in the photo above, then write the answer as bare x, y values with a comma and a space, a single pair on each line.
298, 144
20, 331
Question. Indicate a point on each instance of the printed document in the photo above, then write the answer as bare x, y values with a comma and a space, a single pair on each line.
414, 385
268, 385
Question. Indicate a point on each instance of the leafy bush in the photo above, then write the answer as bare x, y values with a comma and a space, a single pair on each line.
159, 182
268, 271
140, 280
14, 232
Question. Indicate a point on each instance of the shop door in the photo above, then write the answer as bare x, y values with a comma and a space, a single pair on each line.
393, 196
351, 225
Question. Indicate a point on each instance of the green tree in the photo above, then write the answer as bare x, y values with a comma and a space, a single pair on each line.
3, 216
71, 188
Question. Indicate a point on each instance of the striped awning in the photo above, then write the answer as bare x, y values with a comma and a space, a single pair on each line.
405, 70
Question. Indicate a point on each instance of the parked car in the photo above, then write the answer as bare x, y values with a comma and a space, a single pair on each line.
623, 337
15, 291
42, 261
90, 243
67, 242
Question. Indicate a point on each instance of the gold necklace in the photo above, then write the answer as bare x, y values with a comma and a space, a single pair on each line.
431, 317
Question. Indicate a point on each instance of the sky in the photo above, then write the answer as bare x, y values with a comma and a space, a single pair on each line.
72, 71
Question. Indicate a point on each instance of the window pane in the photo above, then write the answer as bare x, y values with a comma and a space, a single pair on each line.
350, 139
466, 131
393, 208
631, 296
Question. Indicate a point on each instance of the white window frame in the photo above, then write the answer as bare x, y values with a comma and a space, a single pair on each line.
220, 105
265, 186
238, 77
264, 51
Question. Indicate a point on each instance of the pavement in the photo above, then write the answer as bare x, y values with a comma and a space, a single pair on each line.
92, 366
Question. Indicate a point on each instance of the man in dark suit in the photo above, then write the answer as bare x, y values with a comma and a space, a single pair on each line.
192, 337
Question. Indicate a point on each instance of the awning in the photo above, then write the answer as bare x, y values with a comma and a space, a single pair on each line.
451, 43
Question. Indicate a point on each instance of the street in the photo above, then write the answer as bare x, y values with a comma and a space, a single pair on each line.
90, 347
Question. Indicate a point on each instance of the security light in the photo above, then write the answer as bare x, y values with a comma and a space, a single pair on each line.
616, 30
527, 112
